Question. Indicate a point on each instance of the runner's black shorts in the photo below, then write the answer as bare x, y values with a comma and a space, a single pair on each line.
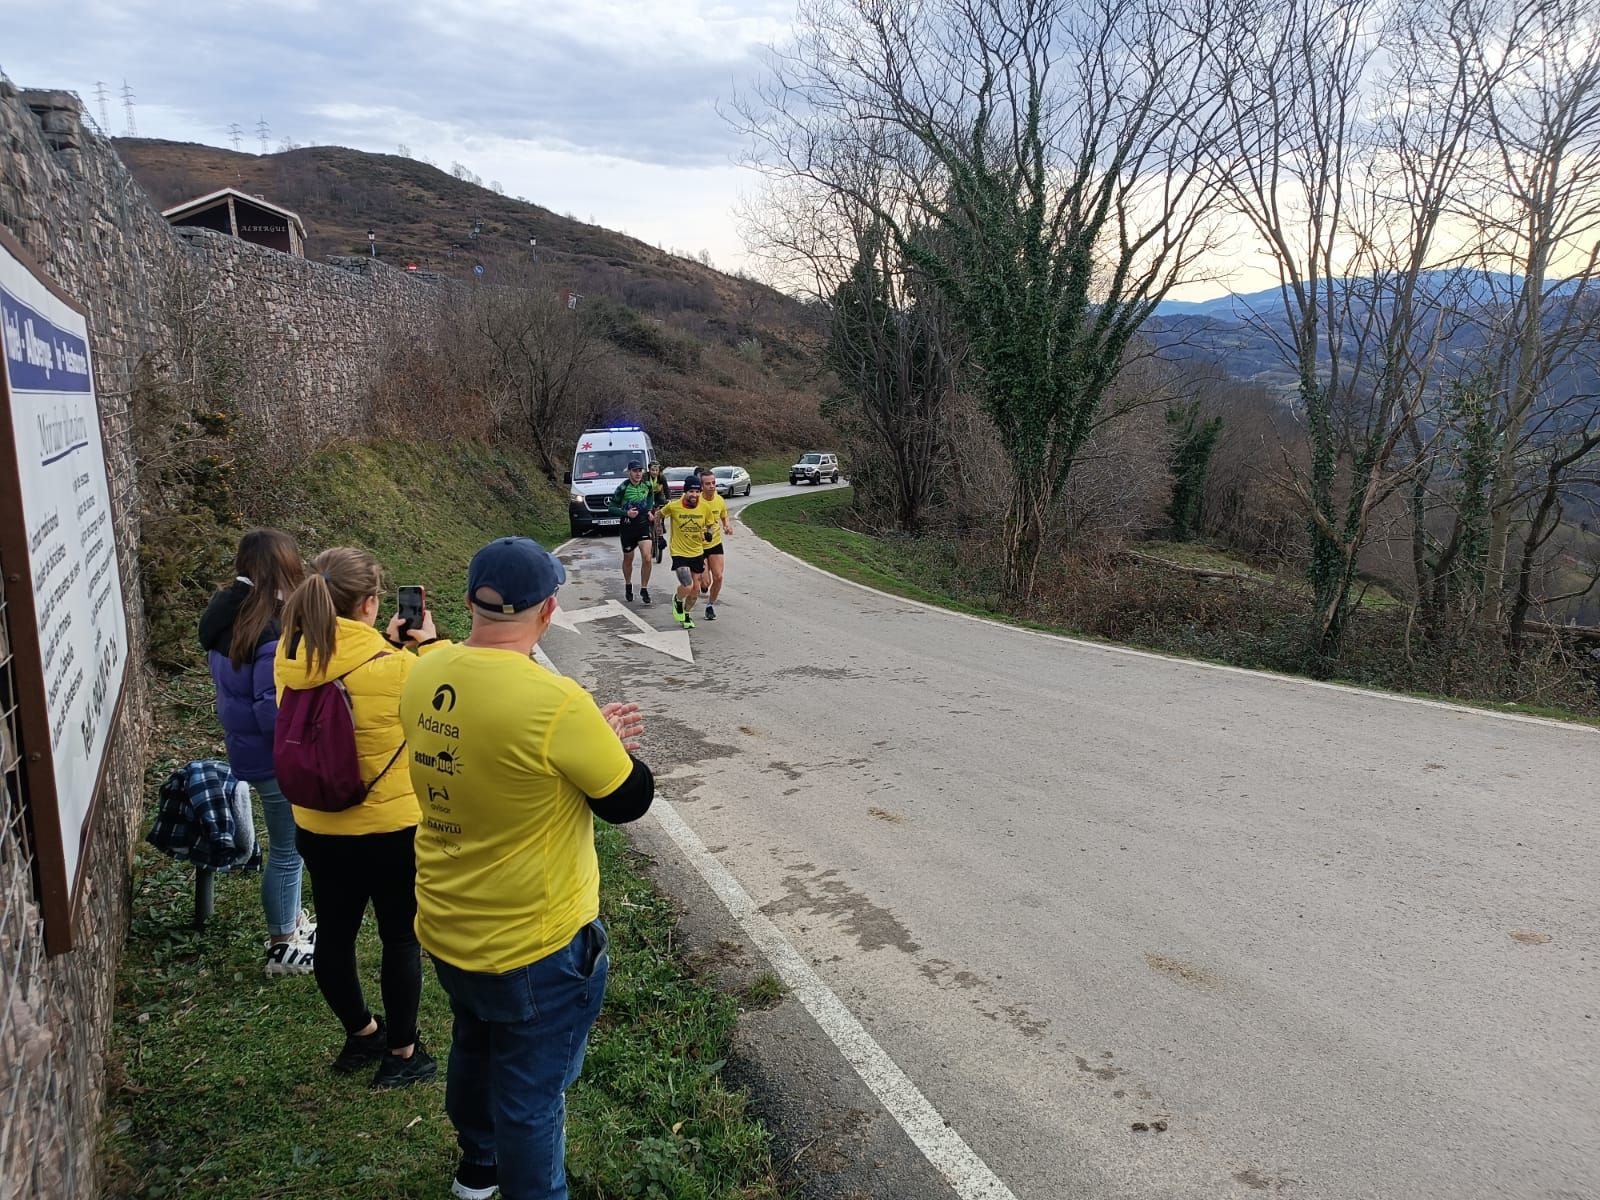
632, 535
695, 564
717, 549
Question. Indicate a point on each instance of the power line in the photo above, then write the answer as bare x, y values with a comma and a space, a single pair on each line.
263, 131
234, 134
127, 106
102, 95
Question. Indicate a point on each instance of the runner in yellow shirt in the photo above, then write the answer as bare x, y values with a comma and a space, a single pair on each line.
719, 525
690, 534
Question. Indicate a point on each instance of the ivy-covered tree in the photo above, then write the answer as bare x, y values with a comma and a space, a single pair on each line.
1060, 151
895, 358
1194, 440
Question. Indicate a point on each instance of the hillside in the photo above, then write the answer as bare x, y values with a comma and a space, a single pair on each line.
736, 374
420, 213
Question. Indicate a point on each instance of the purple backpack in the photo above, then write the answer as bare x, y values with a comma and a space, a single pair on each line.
314, 747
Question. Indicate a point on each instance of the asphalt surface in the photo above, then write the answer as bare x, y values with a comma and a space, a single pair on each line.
1135, 927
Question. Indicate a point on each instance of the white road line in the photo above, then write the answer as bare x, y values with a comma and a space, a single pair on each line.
1198, 663
941, 1145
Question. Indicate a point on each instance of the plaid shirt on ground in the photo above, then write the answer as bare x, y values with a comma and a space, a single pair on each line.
199, 820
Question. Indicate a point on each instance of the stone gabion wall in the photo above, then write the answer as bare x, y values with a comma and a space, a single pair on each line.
307, 338
310, 335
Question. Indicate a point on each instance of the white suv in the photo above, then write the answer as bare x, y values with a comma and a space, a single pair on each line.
815, 467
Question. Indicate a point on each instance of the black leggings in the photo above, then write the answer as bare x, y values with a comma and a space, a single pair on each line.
347, 872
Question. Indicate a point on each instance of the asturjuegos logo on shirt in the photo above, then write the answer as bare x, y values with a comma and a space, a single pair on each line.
445, 762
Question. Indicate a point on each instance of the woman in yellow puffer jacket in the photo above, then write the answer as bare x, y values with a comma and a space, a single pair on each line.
364, 853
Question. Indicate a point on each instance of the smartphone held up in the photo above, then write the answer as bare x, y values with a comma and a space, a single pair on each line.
413, 602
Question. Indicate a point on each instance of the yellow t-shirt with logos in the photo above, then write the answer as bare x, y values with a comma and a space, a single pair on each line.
716, 512
503, 756
688, 528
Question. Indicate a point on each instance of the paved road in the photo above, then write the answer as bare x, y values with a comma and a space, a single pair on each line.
1339, 945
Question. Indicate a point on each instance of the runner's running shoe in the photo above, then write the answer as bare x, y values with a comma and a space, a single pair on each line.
711, 613
644, 595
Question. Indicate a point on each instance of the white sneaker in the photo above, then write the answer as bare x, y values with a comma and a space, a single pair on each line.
294, 957
305, 930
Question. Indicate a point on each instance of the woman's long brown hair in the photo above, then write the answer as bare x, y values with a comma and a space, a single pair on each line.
270, 560
340, 581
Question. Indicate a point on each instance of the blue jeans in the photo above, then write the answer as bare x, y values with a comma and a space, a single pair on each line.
280, 882
517, 1046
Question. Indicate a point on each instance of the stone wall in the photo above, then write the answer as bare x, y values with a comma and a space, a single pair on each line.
305, 339
310, 335
86, 222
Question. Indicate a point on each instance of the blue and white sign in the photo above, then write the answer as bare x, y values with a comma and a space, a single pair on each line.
40, 355
66, 532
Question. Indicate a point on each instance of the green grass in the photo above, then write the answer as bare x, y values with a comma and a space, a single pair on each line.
765, 991
423, 509
1213, 558
218, 1080
808, 526
774, 469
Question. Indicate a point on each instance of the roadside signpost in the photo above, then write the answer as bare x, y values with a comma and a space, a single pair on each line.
64, 616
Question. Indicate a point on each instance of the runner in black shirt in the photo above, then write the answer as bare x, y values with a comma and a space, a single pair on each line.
635, 502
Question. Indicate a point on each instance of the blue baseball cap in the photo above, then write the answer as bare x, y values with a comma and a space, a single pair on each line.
523, 572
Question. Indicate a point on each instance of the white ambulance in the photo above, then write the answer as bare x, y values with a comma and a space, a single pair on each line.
599, 464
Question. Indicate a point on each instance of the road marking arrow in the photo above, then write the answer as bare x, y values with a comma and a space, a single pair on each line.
672, 642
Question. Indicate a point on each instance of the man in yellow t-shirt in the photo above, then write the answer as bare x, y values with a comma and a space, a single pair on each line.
690, 534
719, 525
511, 764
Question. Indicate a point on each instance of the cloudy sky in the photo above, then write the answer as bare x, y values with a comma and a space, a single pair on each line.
602, 108
606, 109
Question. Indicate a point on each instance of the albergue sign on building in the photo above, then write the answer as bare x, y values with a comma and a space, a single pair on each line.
65, 619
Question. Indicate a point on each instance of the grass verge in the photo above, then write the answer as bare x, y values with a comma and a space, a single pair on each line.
1216, 628
423, 509
771, 469
218, 1083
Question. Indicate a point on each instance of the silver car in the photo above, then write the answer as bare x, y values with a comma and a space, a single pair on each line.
732, 481
815, 467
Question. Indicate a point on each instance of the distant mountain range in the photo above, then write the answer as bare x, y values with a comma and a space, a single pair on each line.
1243, 333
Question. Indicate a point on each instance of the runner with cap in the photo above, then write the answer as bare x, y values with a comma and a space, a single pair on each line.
688, 518
512, 763
634, 502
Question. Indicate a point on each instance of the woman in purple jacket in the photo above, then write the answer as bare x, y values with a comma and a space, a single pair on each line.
239, 633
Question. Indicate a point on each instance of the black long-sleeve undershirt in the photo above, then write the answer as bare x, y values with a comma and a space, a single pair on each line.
631, 800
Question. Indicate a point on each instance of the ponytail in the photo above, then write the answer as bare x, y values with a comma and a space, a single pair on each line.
340, 581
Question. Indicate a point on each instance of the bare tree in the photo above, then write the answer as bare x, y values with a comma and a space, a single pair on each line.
1537, 203
1060, 150
530, 356
897, 360
1348, 174
1570, 474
